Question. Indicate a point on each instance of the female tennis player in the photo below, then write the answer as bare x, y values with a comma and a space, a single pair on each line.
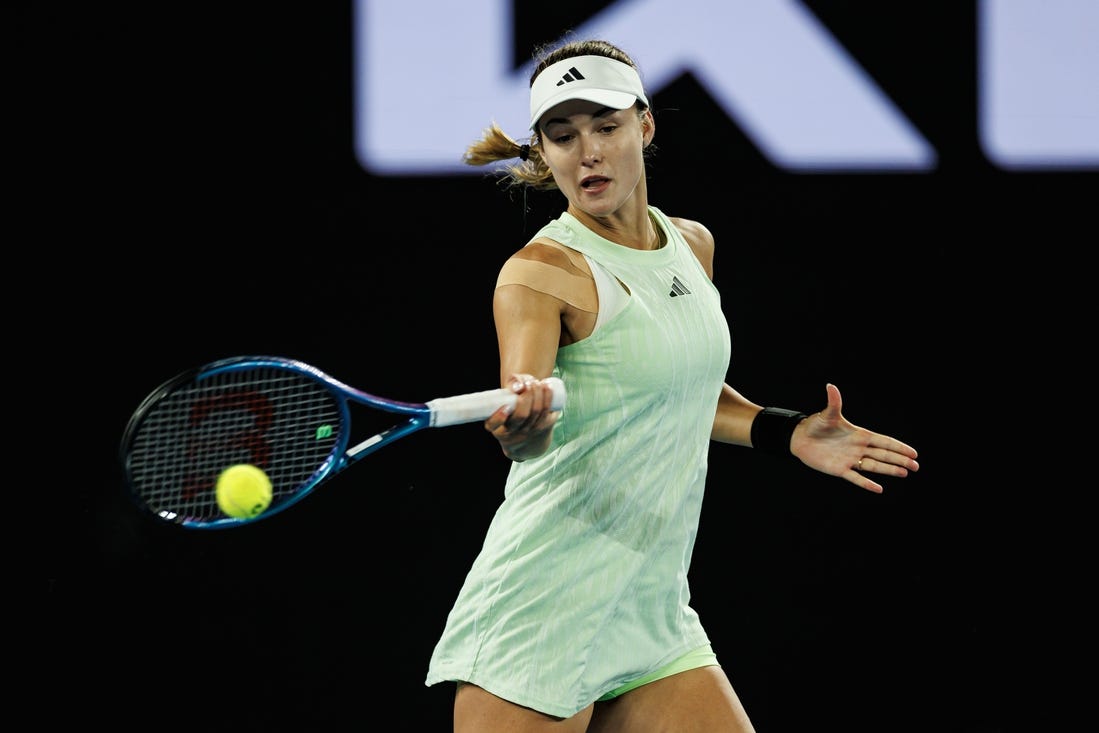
576, 614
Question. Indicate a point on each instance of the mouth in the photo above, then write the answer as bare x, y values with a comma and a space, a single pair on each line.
593, 181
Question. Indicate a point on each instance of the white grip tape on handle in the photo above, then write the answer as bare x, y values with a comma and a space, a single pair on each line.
479, 405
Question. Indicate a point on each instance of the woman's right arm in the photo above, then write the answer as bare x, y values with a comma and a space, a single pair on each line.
528, 331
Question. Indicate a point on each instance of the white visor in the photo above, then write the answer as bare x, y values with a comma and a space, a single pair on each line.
594, 78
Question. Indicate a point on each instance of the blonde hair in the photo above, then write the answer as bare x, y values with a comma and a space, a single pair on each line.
496, 145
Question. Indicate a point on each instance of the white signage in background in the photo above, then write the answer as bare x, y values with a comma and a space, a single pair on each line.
1039, 83
429, 76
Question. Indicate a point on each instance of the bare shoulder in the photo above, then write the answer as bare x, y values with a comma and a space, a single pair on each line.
692, 229
559, 261
550, 252
700, 239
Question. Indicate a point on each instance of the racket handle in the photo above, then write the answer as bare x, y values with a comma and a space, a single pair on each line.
479, 405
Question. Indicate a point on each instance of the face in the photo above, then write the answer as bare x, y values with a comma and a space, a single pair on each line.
595, 153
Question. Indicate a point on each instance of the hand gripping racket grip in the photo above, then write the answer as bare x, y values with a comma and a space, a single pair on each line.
479, 405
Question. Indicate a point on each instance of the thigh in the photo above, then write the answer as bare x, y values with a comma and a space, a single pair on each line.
477, 710
697, 700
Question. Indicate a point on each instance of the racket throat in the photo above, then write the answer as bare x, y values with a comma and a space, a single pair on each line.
374, 442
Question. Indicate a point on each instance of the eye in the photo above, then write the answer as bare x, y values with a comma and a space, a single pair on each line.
607, 129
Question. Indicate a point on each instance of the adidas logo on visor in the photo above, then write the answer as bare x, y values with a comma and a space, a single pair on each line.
573, 74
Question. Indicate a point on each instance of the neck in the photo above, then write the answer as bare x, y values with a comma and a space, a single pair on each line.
636, 232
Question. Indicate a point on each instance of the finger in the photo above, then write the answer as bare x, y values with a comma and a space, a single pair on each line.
543, 396
885, 462
884, 442
498, 419
834, 400
521, 383
864, 483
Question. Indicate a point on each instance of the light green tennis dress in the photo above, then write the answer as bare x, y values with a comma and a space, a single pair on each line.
581, 585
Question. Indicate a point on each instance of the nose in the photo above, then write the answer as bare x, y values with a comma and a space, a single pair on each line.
592, 152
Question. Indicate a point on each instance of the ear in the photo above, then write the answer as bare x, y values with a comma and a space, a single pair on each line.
648, 128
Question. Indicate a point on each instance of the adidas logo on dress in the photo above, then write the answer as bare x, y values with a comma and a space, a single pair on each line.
678, 288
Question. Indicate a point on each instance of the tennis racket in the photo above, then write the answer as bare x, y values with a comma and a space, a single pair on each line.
286, 417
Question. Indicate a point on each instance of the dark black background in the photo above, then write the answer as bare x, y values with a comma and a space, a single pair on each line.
188, 191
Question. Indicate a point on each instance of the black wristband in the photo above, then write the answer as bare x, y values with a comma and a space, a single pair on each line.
772, 429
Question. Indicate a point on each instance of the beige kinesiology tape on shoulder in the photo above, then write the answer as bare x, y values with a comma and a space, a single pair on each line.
578, 290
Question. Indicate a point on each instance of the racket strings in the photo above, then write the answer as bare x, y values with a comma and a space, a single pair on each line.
281, 421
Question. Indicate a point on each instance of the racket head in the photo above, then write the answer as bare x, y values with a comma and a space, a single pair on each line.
281, 415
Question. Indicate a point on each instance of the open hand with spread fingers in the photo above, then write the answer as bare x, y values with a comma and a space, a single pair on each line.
829, 443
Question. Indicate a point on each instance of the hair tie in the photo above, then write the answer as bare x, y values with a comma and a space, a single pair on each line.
524, 152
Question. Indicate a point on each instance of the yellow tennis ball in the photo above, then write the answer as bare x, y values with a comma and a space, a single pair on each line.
243, 491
